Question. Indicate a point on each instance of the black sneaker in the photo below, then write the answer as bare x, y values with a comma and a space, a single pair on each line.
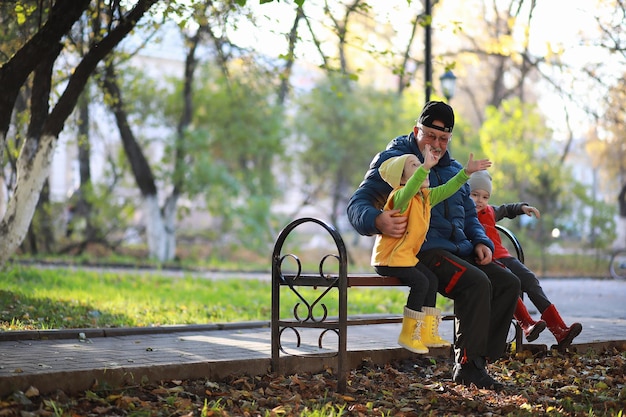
471, 373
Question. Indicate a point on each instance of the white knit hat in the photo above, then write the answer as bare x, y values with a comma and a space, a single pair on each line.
480, 180
391, 170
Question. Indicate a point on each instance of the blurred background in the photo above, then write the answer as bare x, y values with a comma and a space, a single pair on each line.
211, 125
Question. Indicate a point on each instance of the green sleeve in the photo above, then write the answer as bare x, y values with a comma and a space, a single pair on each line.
440, 193
404, 194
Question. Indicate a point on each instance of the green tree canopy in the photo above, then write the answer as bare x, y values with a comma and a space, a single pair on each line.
339, 127
236, 147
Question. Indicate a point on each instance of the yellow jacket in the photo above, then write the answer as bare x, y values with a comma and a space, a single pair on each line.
415, 203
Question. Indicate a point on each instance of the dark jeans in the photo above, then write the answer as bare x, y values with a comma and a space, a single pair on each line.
484, 297
421, 281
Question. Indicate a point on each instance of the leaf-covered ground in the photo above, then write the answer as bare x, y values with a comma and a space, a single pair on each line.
552, 383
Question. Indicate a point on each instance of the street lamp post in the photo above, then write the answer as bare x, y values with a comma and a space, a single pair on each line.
448, 84
428, 71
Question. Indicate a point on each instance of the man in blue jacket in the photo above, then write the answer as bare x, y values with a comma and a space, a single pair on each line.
457, 249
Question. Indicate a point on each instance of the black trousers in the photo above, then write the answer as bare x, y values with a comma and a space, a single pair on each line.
421, 281
484, 297
530, 283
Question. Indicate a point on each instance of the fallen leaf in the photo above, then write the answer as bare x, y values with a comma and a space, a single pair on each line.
31, 392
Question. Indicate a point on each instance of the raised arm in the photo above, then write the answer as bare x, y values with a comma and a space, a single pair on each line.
446, 190
512, 210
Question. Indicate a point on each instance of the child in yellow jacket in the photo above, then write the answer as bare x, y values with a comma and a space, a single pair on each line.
397, 257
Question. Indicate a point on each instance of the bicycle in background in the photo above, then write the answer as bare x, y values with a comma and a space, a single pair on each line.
617, 265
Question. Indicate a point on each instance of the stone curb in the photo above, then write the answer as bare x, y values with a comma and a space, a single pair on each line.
8, 336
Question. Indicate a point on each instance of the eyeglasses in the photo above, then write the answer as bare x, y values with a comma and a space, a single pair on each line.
431, 137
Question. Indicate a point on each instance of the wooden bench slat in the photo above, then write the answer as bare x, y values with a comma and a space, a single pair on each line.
307, 280
373, 280
354, 280
361, 319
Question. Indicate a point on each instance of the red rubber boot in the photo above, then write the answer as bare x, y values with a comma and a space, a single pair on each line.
530, 327
564, 335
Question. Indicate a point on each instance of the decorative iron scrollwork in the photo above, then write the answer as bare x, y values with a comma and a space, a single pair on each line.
311, 313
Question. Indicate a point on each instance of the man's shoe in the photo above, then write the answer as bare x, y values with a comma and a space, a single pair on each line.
475, 373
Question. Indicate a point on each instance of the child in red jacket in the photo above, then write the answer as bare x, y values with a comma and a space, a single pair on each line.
480, 186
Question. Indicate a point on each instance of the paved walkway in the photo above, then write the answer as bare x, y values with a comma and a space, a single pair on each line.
67, 360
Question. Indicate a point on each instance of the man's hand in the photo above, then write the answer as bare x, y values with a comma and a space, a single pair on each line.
530, 210
483, 254
478, 165
388, 223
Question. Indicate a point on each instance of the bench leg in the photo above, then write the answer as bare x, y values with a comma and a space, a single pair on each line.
519, 336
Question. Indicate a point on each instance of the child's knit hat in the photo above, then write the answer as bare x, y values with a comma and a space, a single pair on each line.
480, 180
391, 170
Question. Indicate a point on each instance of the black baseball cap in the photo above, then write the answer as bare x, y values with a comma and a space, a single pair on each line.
437, 110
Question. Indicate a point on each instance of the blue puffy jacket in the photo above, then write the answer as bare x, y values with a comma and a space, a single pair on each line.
454, 225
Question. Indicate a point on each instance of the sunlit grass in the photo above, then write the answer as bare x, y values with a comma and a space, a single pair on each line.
33, 298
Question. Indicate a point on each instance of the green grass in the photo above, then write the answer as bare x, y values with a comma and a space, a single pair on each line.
32, 298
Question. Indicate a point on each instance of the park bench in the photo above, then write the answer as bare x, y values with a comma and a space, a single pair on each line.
333, 280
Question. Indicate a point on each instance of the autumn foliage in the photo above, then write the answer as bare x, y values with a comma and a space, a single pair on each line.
547, 383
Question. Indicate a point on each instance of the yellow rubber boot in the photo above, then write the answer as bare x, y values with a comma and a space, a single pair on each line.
430, 329
410, 337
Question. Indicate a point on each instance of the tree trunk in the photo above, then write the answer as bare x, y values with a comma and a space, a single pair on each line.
169, 217
40, 236
83, 206
35, 158
283, 90
155, 228
160, 225
33, 166
45, 231
144, 178
15, 72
